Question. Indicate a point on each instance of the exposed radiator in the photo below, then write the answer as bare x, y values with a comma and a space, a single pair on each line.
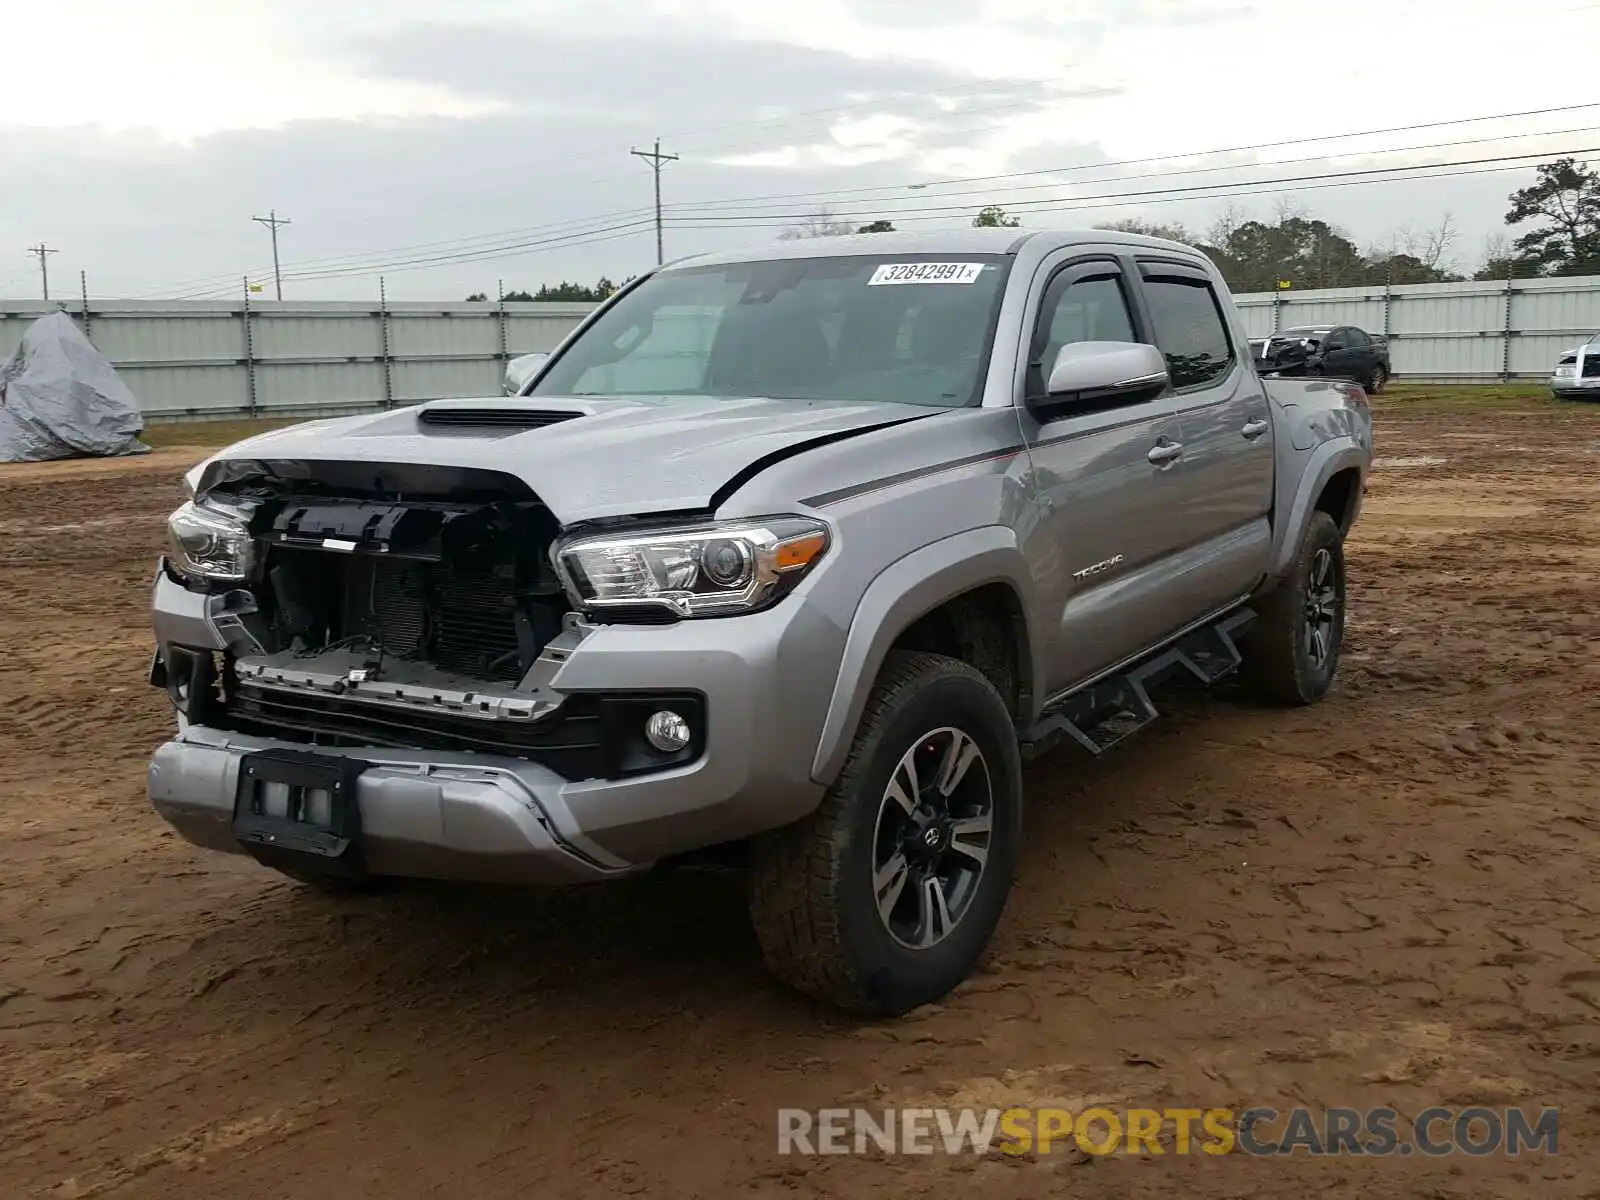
463, 621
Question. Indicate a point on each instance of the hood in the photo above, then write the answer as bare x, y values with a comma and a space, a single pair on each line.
585, 458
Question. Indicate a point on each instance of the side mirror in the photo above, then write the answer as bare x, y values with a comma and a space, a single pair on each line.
1088, 373
521, 369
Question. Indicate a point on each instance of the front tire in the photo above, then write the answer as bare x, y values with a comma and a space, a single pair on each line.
1379, 378
886, 896
1291, 654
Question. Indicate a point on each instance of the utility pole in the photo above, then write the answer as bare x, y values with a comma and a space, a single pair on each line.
656, 159
272, 221
44, 268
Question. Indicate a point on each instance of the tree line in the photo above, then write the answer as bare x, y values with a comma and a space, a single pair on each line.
1558, 216
565, 291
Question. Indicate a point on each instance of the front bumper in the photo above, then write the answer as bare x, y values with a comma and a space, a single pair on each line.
462, 815
1570, 387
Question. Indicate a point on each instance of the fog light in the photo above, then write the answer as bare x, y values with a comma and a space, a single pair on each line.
667, 731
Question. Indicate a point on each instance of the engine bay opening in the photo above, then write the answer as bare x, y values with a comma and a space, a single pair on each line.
456, 584
413, 607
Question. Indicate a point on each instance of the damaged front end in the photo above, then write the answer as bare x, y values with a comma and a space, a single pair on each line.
372, 605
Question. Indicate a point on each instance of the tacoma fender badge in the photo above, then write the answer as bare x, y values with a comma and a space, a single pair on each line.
1103, 565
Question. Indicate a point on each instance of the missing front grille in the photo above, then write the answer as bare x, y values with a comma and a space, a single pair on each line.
466, 588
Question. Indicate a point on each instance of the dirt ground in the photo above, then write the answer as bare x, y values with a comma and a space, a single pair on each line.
1388, 899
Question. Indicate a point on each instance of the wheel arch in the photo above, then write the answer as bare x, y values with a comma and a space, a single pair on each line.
964, 593
1340, 459
1340, 497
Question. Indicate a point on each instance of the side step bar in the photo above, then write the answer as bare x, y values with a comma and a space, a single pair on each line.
1111, 709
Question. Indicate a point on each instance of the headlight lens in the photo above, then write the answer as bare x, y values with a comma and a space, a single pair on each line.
708, 570
208, 544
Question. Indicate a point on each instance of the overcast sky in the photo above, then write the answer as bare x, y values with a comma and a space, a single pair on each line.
399, 136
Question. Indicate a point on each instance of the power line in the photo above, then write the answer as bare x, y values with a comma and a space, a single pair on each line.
503, 251
513, 250
41, 250
1159, 158
726, 214
1416, 172
183, 288
990, 193
182, 285
1197, 187
657, 160
807, 116
272, 222
926, 213
492, 241
1165, 196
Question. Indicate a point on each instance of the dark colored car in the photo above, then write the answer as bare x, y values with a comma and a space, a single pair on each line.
1339, 351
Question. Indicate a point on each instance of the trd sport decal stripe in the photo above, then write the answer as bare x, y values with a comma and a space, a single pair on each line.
824, 499
889, 481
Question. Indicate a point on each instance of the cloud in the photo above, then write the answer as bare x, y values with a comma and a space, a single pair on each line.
670, 78
389, 135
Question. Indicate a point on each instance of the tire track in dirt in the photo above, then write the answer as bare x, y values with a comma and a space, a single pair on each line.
1385, 899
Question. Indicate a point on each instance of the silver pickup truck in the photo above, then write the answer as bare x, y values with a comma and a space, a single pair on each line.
793, 554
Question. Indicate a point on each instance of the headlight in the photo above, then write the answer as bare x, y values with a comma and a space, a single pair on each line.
708, 570
208, 544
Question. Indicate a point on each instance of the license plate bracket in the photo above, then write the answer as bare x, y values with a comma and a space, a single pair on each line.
319, 814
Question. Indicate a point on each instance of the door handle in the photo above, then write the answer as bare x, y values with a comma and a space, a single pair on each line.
1164, 453
1254, 429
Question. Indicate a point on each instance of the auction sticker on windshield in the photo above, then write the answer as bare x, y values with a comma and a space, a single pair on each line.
925, 272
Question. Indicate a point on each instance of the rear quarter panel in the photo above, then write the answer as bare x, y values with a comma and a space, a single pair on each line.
1320, 433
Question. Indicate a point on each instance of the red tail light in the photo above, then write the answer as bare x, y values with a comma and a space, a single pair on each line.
1354, 394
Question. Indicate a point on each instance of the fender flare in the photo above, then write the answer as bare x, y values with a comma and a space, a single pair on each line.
907, 589
1326, 461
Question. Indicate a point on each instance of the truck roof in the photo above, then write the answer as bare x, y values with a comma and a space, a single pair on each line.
940, 241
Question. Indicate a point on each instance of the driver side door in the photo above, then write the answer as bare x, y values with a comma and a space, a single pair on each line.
1336, 354
1108, 479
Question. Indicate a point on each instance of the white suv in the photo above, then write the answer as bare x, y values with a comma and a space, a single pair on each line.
1577, 373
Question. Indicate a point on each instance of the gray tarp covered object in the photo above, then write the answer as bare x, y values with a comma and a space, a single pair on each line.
60, 398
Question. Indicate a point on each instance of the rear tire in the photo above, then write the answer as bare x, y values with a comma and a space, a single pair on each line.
1291, 653
886, 896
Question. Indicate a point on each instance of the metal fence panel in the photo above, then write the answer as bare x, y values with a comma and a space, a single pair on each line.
318, 386
534, 328
1258, 313
169, 337
201, 358
443, 334
433, 379
1480, 331
181, 391
302, 335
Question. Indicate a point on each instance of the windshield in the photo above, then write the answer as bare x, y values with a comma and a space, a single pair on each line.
911, 330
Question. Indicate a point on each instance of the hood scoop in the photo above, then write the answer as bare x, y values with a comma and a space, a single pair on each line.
496, 417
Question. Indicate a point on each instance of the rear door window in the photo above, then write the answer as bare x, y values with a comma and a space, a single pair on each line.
1189, 330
